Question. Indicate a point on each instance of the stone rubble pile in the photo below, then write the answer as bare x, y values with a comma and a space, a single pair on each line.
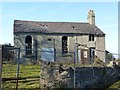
55, 75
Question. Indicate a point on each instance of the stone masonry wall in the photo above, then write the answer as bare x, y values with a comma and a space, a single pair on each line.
40, 41
54, 75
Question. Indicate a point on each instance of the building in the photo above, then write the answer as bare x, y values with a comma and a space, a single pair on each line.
33, 36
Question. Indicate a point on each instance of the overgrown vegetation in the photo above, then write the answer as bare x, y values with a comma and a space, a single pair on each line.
116, 85
98, 62
30, 74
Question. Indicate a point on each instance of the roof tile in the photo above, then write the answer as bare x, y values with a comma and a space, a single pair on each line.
55, 27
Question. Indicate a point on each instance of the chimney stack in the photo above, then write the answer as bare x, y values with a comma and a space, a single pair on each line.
91, 17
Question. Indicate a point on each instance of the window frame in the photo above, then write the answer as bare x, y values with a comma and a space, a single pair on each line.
91, 37
64, 45
28, 45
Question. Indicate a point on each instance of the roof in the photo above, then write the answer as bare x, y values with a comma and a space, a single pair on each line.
55, 27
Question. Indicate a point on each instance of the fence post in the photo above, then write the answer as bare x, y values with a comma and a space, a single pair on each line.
0, 67
54, 50
18, 68
74, 69
75, 59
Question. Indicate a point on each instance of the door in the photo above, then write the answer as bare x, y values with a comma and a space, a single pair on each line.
85, 56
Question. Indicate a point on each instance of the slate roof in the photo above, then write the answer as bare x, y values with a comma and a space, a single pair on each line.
55, 27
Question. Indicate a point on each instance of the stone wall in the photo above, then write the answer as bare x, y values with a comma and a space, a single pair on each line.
54, 75
40, 41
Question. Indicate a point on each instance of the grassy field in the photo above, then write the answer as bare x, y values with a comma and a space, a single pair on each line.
30, 75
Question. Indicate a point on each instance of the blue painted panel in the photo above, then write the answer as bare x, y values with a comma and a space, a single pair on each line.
48, 54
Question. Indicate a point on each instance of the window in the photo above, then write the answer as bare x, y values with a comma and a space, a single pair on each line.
64, 45
28, 42
92, 54
91, 37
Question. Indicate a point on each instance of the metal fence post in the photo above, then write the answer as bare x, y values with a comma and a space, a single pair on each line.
18, 68
0, 67
54, 50
75, 58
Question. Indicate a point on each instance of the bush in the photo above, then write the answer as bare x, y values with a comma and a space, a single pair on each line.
98, 62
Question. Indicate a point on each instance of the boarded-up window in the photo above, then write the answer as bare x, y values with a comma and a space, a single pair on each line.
47, 54
28, 42
64, 45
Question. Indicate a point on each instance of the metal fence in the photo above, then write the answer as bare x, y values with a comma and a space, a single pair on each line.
23, 71
16, 75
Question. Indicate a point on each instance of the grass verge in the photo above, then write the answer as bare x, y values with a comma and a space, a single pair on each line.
29, 74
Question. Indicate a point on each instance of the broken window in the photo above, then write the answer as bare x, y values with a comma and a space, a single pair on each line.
64, 45
28, 42
91, 37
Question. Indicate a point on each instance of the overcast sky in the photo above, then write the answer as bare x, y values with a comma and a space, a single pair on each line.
106, 17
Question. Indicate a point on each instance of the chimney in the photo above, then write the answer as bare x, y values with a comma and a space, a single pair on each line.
91, 17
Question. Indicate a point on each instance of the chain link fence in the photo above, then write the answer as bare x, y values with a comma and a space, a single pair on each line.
23, 71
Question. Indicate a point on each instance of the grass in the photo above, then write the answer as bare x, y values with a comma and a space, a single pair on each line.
30, 73
114, 86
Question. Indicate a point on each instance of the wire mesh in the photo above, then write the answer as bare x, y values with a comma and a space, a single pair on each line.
30, 67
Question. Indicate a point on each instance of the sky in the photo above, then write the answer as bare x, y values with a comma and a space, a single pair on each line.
106, 14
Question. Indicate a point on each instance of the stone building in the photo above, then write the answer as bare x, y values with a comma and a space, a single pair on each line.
61, 37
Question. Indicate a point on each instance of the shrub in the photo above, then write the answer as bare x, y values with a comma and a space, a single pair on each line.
98, 62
